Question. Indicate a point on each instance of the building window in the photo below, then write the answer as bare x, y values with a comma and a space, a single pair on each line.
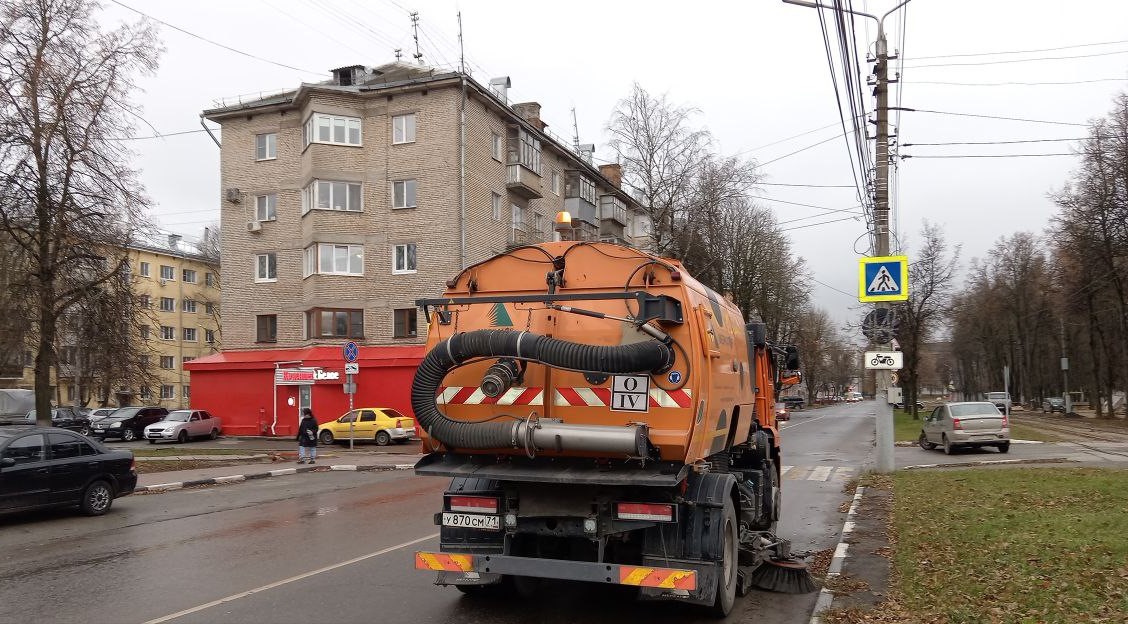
556, 182
168, 304
188, 305
167, 361
146, 393
144, 301
187, 358
403, 259
495, 206
497, 147
266, 328
330, 195
404, 323
168, 333
167, 272
145, 332
209, 308
265, 207
331, 259
403, 129
524, 150
403, 193
189, 334
538, 222
325, 323
186, 391
579, 186
517, 221
266, 267
332, 129
209, 336
168, 391
189, 276
144, 269
266, 146
209, 280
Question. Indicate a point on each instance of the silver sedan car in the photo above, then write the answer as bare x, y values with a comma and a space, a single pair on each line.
180, 425
965, 425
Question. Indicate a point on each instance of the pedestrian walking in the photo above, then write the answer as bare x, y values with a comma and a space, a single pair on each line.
307, 437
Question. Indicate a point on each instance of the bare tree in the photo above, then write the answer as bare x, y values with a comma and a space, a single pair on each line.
661, 154
932, 278
68, 195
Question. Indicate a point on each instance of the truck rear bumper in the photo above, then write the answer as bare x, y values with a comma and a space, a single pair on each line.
681, 580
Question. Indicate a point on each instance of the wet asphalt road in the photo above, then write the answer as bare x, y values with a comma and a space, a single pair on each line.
338, 547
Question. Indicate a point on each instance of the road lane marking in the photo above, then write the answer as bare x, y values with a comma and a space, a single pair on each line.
820, 473
304, 575
804, 422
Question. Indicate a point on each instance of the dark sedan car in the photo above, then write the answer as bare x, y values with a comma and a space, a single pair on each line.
1053, 404
64, 418
128, 423
50, 467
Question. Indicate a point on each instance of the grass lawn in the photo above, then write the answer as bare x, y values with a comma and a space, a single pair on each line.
1012, 545
907, 429
180, 449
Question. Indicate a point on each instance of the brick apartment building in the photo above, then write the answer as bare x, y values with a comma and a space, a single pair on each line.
345, 201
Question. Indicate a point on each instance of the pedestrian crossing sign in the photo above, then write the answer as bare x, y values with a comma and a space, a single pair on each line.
885, 278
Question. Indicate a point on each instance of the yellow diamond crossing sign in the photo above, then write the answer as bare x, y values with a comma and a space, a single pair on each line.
884, 278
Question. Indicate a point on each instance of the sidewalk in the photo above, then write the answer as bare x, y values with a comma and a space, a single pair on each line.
327, 461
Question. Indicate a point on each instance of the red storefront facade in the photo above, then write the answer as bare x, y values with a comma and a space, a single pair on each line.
260, 392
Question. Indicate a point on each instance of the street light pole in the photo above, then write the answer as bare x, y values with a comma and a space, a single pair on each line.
884, 415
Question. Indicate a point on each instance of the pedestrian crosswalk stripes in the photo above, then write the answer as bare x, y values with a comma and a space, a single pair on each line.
818, 473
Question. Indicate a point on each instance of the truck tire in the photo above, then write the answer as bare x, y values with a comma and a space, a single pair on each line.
727, 567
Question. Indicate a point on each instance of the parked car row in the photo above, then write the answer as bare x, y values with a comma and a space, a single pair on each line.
51, 467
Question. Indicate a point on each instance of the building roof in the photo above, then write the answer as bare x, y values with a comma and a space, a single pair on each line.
324, 356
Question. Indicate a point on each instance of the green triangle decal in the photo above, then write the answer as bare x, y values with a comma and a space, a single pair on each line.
499, 317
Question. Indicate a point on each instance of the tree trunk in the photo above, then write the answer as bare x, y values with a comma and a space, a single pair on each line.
44, 358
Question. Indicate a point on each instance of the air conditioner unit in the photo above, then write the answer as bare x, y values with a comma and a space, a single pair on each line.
233, 195
254, 226
163, 281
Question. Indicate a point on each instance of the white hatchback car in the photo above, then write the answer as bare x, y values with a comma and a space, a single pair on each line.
180, 425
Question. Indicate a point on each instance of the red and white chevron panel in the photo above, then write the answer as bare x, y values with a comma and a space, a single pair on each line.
601, 397
473, 395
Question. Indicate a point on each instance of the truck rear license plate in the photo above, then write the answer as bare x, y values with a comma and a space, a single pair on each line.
472, 521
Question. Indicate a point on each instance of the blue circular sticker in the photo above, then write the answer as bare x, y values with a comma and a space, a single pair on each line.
675, 376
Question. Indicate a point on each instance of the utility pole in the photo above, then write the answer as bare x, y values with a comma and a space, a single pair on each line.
1065, 371
884, 412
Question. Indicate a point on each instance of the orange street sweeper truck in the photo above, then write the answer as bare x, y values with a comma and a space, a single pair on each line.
607, 418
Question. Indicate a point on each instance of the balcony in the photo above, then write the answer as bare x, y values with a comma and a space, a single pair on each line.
611, 208
522, 182
581, 210
524, 235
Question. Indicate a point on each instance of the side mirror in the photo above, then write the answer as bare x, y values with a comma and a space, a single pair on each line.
7, 462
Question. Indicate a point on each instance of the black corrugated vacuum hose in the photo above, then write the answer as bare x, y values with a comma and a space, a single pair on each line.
646, 357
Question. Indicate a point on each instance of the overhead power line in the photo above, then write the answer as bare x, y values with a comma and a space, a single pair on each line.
811, 225
214, 43
849, 186
1016, 84
989, 155
996, 142
802, 149
1027, 60
156, 136
1042, 121
1068, 47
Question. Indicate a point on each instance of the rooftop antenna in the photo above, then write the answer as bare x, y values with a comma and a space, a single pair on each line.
461, 50
399, 53
415, 31
575, 131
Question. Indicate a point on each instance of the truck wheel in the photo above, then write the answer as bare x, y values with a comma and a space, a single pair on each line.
771, 499
727, 566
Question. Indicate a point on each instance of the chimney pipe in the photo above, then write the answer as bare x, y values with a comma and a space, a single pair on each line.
174, 241
500, 87
530, 112
613, 172
587, 151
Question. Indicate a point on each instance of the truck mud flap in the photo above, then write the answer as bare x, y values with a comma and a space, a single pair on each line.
678, 582
552, 470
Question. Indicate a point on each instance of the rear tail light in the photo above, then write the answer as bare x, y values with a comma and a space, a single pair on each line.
1006, 423
654, 512
132, 464
956, 424
473, 504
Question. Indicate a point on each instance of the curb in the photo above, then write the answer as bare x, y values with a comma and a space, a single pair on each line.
826, 597
992, 462
178, 485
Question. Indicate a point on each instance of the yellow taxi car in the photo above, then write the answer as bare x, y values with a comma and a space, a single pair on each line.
383, 425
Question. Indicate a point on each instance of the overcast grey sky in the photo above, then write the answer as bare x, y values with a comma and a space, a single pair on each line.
756, 70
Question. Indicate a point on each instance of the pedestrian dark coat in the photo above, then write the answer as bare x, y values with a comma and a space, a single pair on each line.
307, 432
